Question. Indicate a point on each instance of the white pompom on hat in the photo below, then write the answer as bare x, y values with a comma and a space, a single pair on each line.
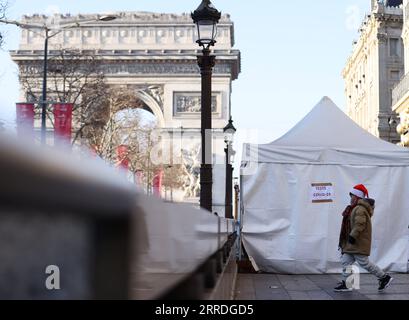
360, 191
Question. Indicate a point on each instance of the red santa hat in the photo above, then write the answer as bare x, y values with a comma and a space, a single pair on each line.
360, 191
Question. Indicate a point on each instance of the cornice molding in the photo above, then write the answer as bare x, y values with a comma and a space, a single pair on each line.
130, 30
146, 68
122, 18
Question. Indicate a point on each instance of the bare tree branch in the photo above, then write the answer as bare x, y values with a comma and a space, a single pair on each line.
3, 8
71, 76
104, 116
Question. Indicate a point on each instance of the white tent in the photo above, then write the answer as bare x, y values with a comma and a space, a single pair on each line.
288, 227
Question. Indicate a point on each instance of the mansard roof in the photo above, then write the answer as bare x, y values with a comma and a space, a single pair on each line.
393, 3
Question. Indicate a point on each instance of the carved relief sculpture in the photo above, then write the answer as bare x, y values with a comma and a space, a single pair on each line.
191, 103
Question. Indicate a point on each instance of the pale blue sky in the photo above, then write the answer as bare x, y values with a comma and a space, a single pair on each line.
292, 52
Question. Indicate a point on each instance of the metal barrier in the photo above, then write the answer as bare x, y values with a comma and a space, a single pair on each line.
100, 238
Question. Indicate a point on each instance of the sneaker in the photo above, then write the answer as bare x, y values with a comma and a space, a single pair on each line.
385, 282
342, 287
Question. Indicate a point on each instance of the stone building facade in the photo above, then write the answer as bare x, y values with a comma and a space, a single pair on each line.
401, 91
374, 68
156, 56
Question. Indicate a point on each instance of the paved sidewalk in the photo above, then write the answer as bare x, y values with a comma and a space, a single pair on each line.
315, 287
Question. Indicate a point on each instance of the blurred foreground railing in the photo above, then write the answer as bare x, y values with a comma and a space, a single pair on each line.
73, 229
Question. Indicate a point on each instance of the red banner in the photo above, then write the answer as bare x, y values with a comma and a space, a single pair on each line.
25, 119
122, 157
63, 120
157, 183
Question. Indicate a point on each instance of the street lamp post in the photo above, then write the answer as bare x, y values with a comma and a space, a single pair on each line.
206, 17
44, 95
229, 132
236, 199
47, 36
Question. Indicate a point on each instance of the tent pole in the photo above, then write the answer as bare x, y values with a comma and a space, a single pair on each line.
240, 217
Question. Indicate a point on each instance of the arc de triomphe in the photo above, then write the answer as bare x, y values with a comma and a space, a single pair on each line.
155, 54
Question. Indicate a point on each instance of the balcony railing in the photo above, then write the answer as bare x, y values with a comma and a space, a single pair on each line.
400, 89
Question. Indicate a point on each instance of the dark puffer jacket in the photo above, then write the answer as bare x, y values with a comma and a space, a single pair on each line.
361, 228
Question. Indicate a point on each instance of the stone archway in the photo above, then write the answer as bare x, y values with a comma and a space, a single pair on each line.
116, 115
146, 97
152, 106
156, 57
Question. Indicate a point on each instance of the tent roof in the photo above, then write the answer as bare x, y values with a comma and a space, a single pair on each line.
328, 135
328, 126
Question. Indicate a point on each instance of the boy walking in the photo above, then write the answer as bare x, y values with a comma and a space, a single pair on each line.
356, 238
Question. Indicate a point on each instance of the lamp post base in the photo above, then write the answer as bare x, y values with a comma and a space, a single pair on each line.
206, 184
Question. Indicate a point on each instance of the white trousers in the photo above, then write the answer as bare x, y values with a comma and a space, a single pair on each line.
349, 259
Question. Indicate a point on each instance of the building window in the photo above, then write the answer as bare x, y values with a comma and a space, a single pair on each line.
394, 47
395, 75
